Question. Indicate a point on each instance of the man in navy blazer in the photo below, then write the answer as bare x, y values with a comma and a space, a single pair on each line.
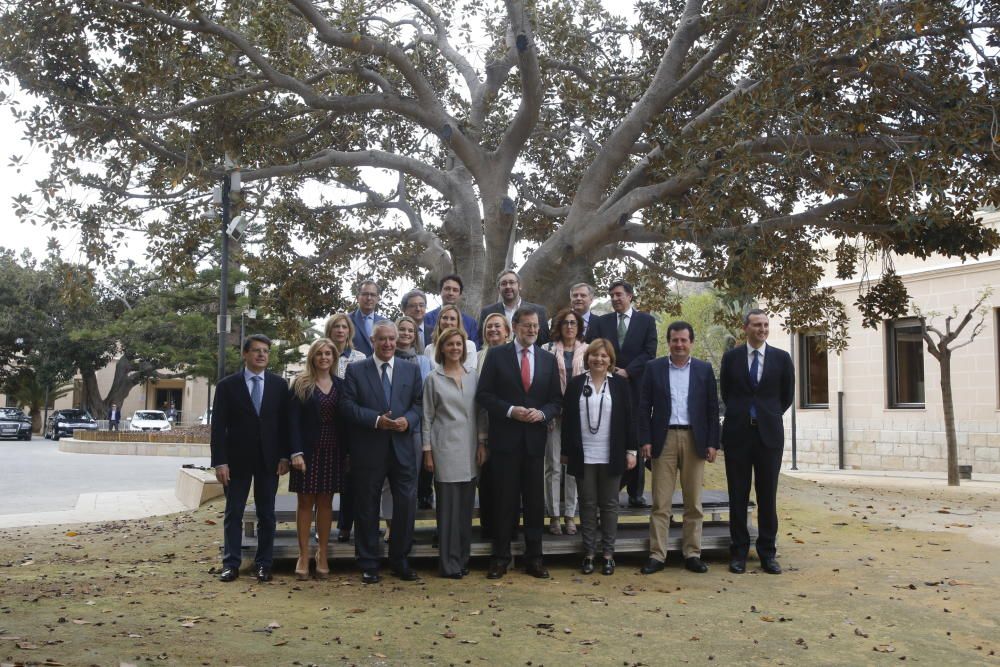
250, 446
519, 388
365, 317
633, 334
451, 288
757, 383
678, 432
382, 402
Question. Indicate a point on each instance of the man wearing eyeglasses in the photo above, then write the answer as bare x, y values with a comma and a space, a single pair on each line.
509, 290
365, 317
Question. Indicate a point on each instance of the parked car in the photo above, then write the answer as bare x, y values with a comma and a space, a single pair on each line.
64, 422
14, 424
149, 420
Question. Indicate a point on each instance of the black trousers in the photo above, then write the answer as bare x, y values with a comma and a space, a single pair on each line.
634, 480
425, 486
763, 464
345, 515
518, 482
265, 486
368, 481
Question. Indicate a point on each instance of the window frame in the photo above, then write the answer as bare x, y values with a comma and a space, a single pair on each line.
805, 347
892, 401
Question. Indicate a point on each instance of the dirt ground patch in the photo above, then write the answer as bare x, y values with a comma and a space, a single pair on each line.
862, 586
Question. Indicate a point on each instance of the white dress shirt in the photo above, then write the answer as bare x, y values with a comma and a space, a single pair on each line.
509, 313
680, 377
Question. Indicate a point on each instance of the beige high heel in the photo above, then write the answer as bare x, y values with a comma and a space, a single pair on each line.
322, 566
302, 571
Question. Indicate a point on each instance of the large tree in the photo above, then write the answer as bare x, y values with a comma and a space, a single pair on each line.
711, 139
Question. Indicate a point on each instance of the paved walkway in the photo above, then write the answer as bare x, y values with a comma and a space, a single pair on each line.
40, 485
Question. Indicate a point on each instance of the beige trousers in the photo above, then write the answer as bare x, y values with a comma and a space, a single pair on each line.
678, 455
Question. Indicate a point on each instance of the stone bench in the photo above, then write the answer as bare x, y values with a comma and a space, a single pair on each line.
195, 487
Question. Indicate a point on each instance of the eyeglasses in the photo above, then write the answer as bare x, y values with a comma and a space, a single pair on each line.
369, 294
569, 323
529, 327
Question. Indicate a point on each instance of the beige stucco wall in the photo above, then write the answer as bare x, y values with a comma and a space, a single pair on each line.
878, 437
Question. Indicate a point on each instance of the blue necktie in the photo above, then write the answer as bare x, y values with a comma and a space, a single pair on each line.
257, 394
368, 326
754, 370
386, 386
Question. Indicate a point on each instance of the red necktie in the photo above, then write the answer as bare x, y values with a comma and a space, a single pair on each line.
525, 369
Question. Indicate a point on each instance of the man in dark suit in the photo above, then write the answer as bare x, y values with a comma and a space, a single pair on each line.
757, 383
519, 388
581, 296
633, 335
114, 417
678, 431
382, 402
451, 288
509, 289
365, 317
250, 446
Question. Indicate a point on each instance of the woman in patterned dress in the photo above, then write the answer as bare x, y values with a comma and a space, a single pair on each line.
340, 329
318, 452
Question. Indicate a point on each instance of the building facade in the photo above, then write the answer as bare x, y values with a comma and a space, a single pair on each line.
881, 397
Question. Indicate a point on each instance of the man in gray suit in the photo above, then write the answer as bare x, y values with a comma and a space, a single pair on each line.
382, 402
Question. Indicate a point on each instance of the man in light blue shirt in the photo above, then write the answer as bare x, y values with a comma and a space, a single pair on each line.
678, 431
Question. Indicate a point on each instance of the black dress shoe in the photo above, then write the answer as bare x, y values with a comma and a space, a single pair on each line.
344, 536
638, 502
770, 565
453, 575
536, 569
405, 574
425, 504
264, 574
588, 565
695, 564
652, 566
738, 566
465, 571
370, 577
496, 571
609, 566
229, 574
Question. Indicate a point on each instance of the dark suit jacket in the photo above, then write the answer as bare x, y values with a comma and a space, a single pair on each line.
469, 322
363, 401
361, 342
241, 438
500, 388
639, 347
543, 318
774, 394
114, 415
623, 434
702, 405
304, 422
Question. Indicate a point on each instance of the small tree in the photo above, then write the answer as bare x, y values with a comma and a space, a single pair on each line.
942, 349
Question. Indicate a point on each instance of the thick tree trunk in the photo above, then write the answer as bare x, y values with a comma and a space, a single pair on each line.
949, 416
124, 381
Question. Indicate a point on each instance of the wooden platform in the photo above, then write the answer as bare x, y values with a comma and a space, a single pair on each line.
633, 531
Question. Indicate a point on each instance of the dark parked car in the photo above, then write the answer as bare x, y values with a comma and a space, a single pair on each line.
14, 424
64, 422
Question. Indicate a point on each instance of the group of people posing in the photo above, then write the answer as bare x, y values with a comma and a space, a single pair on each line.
538, 419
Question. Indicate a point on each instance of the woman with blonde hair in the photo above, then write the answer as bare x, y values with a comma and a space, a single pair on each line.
496, 331
450, 317
318, 452
340, 330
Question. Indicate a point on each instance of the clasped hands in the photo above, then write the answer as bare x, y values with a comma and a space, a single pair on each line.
387, 423
527, 415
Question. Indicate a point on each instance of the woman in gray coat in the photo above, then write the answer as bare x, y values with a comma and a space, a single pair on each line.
453, 449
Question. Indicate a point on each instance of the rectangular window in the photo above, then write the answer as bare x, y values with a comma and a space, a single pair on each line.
813, 371
906, 364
